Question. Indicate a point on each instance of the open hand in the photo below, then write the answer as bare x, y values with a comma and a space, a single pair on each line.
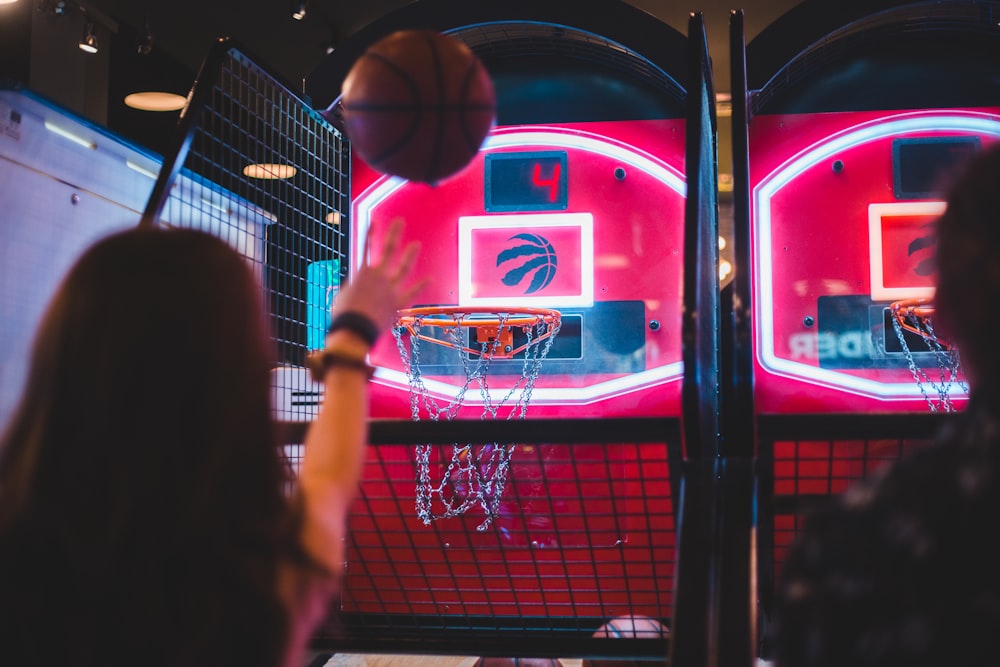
377, 290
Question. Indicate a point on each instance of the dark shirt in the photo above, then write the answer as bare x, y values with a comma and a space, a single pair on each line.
904, 568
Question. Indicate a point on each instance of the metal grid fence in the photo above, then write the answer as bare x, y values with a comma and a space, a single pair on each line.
807, 460
272, 175
586, 532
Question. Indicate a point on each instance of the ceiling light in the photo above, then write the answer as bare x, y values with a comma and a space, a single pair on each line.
725, 268
299, 10
7, 2
725, 182
269, 170
89, 41
154, 100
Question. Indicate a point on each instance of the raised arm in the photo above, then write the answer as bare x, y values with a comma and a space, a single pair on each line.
336, 440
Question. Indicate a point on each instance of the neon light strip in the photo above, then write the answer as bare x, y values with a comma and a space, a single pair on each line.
66, 134
217, 207
583, 221
367, 201
880, 128
630, 155
444, 391
142, 170
292, 408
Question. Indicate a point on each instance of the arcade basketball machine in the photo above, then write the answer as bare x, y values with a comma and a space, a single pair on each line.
529, 436
841, 157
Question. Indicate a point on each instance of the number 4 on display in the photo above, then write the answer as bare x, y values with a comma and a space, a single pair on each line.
551, 183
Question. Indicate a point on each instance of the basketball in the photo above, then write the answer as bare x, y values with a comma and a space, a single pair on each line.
630, 627
517, 662
418, 104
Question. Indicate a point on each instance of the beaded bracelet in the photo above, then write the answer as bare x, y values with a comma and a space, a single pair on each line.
357, 323
321, 361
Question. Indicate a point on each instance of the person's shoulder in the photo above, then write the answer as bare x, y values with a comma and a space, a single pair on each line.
961, 464
972, 437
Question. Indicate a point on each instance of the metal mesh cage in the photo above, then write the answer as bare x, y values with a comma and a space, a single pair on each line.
807, 460
811, 471
586, 532
272, 176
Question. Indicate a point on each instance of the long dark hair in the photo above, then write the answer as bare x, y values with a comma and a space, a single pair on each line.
968, 266
142, 515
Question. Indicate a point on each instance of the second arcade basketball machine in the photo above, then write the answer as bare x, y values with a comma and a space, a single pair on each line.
856, 120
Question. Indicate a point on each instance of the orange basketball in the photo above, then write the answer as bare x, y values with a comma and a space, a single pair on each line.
630, 627
418, 104
517, 662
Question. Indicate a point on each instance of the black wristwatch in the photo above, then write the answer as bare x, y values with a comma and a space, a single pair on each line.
355, 322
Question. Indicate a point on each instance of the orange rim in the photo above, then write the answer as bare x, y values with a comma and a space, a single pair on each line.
490, 325
920, 309
458, 316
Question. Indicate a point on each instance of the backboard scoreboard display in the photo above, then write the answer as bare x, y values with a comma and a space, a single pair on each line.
583, 218
918, 163
843, 208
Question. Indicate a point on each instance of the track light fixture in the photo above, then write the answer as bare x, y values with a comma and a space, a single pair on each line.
88, 42
53, 7
299, 10
144, 44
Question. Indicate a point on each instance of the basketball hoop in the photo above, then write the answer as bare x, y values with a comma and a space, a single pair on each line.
474, 475
916, 317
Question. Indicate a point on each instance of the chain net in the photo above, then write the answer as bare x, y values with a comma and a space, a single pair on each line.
947, 360
448, 484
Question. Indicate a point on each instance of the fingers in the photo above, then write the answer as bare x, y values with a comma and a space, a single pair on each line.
406, 298
407, 261
385, 282
366, 255
391, 242
388, 245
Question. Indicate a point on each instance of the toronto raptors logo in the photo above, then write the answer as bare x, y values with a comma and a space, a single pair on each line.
926, 266
531, 256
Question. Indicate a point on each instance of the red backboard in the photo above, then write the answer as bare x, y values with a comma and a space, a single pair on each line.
842, 211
